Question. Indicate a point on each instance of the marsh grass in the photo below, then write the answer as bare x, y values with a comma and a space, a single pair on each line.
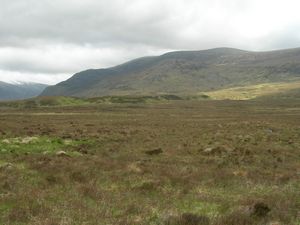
107, 178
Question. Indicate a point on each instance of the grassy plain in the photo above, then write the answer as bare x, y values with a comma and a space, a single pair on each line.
163, 163
254, 91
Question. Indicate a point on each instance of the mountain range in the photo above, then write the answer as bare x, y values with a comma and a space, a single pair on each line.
20, 90
184, 73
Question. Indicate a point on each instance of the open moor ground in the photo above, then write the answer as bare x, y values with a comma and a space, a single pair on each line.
177, 162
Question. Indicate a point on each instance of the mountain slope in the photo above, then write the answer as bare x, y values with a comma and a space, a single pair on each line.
184, 73
20, 91
292, 94
269, 90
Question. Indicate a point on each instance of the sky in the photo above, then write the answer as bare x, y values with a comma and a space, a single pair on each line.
47, 41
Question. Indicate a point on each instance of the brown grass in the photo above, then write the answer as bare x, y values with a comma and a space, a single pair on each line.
217, 160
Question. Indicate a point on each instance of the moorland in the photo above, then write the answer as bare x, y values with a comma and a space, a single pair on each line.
161, 160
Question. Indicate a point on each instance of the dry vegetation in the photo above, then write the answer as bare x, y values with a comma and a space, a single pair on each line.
254, 91
177, 163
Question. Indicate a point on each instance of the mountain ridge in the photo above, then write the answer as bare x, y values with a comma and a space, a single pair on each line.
22, 90
183, 73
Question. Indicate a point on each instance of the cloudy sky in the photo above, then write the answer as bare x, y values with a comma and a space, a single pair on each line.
48, 41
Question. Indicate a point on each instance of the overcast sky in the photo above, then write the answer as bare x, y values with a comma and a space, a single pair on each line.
48, 41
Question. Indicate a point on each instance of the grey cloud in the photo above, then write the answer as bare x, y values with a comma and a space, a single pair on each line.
115, 22
101, 22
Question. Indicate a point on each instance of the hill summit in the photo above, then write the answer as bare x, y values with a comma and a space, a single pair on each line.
184, 73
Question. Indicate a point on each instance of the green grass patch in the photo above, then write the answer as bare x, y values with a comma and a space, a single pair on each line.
192, 205
37, 145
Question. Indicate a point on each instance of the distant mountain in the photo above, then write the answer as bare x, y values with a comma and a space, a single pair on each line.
20, 91
184, 73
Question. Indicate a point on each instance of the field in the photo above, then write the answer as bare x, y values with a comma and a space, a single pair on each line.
175, 162
254, 91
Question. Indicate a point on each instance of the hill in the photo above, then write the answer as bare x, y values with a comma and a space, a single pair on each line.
184, 73
290, 90
20, 91
292, 94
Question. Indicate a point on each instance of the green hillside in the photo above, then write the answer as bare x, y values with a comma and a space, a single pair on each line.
264, 90
184, 73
